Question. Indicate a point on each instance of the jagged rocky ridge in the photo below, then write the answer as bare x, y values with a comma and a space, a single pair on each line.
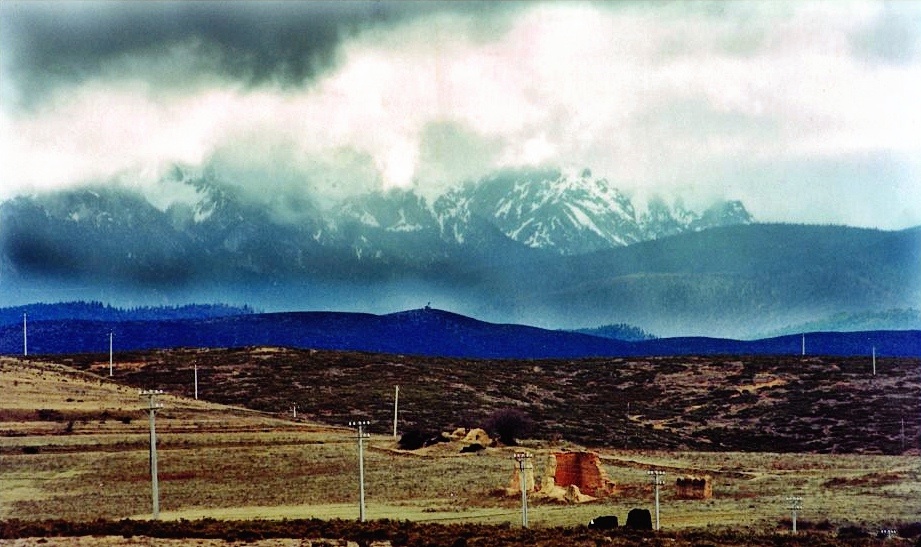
567, 213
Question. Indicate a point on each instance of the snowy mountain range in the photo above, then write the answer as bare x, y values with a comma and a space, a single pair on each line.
568, 213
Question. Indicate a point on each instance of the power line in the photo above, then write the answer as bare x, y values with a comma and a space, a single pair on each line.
795, 506
152, 407
522, 458
361, 466
658, 479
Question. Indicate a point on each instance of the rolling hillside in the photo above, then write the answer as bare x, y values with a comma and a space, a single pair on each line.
425, 331
732, 403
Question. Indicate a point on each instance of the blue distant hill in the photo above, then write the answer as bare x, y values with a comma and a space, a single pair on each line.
427, 331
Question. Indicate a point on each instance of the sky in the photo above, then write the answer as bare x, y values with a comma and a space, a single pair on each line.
805, 111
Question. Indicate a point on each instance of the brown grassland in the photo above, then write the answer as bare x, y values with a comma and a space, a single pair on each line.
74, 449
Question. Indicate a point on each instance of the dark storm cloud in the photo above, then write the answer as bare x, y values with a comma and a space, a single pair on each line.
286, 43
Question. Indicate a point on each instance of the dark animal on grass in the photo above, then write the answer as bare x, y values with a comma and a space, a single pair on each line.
415, 439
639, 519
606, 522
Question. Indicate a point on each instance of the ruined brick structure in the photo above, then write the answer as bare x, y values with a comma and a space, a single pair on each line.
582, 469
572, 477
694, 488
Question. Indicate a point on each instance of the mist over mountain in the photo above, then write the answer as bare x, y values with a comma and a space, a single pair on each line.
541, 247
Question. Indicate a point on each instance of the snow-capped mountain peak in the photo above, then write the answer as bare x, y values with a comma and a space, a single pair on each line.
569, 211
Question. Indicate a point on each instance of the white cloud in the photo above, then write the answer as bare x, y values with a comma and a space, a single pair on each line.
658, 98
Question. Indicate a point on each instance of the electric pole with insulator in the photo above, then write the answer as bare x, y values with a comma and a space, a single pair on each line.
795, 505
152, 407
523, 458
658, 479
361, 466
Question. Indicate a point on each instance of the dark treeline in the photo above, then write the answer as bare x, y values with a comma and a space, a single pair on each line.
97, 311
620, 331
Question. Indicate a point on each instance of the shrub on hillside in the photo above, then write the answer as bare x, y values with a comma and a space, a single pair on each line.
508, 425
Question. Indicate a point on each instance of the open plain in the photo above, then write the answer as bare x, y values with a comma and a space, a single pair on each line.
74, 447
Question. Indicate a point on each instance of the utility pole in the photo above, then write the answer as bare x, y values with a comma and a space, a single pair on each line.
874, 360
804, 344
396, 406
361, 466
796, 505
626, 425
658, 479
522, 459
110, 353
195, 366
25, 337
152, 407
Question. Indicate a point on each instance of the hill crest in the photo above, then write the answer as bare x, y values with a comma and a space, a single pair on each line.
426, 331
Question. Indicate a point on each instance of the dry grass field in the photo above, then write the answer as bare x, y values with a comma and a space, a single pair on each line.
74, 446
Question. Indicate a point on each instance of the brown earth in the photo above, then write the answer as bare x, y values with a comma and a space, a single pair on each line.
730, 403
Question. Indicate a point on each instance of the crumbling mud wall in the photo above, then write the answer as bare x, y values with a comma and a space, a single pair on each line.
694, 488
583, 470
571, 477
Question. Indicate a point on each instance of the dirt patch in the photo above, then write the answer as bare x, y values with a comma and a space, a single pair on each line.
757, 386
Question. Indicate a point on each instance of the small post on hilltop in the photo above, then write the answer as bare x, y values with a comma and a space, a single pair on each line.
626, 426
874, 360
195, 368
152, 407
522, 459
25, 336
110, 353
396, 406
361, 466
